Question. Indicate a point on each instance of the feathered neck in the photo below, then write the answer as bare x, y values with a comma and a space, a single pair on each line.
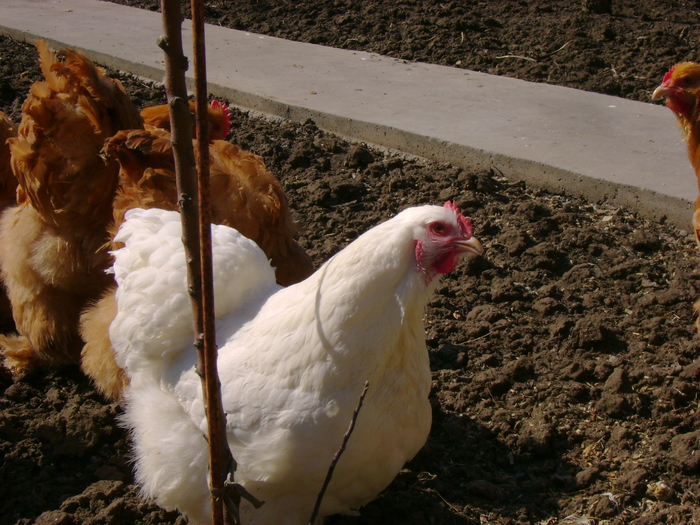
365, 307
690, 124
375, 276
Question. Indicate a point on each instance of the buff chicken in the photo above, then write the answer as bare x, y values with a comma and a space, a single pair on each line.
681, 87
52, 255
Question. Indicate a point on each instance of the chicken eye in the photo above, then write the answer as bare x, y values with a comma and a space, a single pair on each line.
687, 81
438, 228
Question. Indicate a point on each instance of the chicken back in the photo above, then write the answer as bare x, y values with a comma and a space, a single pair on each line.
218, 113
292, 362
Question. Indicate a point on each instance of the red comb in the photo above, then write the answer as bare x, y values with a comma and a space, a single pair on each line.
464, 223
668, 75
226, 112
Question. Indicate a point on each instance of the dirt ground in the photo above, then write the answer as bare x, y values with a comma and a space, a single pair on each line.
565, 361
623, 51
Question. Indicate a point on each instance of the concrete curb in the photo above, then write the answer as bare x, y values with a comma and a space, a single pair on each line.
604, 148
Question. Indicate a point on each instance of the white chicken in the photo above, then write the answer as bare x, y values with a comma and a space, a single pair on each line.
292, 362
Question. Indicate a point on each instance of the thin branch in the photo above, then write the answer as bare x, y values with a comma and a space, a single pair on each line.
196, 234
339, 453
221, 461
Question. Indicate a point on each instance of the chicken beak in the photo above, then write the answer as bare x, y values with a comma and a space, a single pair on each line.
471, 245
662, 91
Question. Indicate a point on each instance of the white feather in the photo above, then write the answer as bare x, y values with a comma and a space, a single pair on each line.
292, 364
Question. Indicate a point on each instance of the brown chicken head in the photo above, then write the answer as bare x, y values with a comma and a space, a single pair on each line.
680, 86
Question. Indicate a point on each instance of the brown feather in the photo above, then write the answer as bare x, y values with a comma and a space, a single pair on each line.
59, 229
8, 182
159, 117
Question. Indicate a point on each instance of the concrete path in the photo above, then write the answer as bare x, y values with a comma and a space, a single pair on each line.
605, 148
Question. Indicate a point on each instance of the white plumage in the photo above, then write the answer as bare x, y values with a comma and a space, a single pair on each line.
292, 362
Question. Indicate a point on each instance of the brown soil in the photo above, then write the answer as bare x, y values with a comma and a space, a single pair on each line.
565, 361
623, 51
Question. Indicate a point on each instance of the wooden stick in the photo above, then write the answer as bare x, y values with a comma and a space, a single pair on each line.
221, 460
196, 230
339, 453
